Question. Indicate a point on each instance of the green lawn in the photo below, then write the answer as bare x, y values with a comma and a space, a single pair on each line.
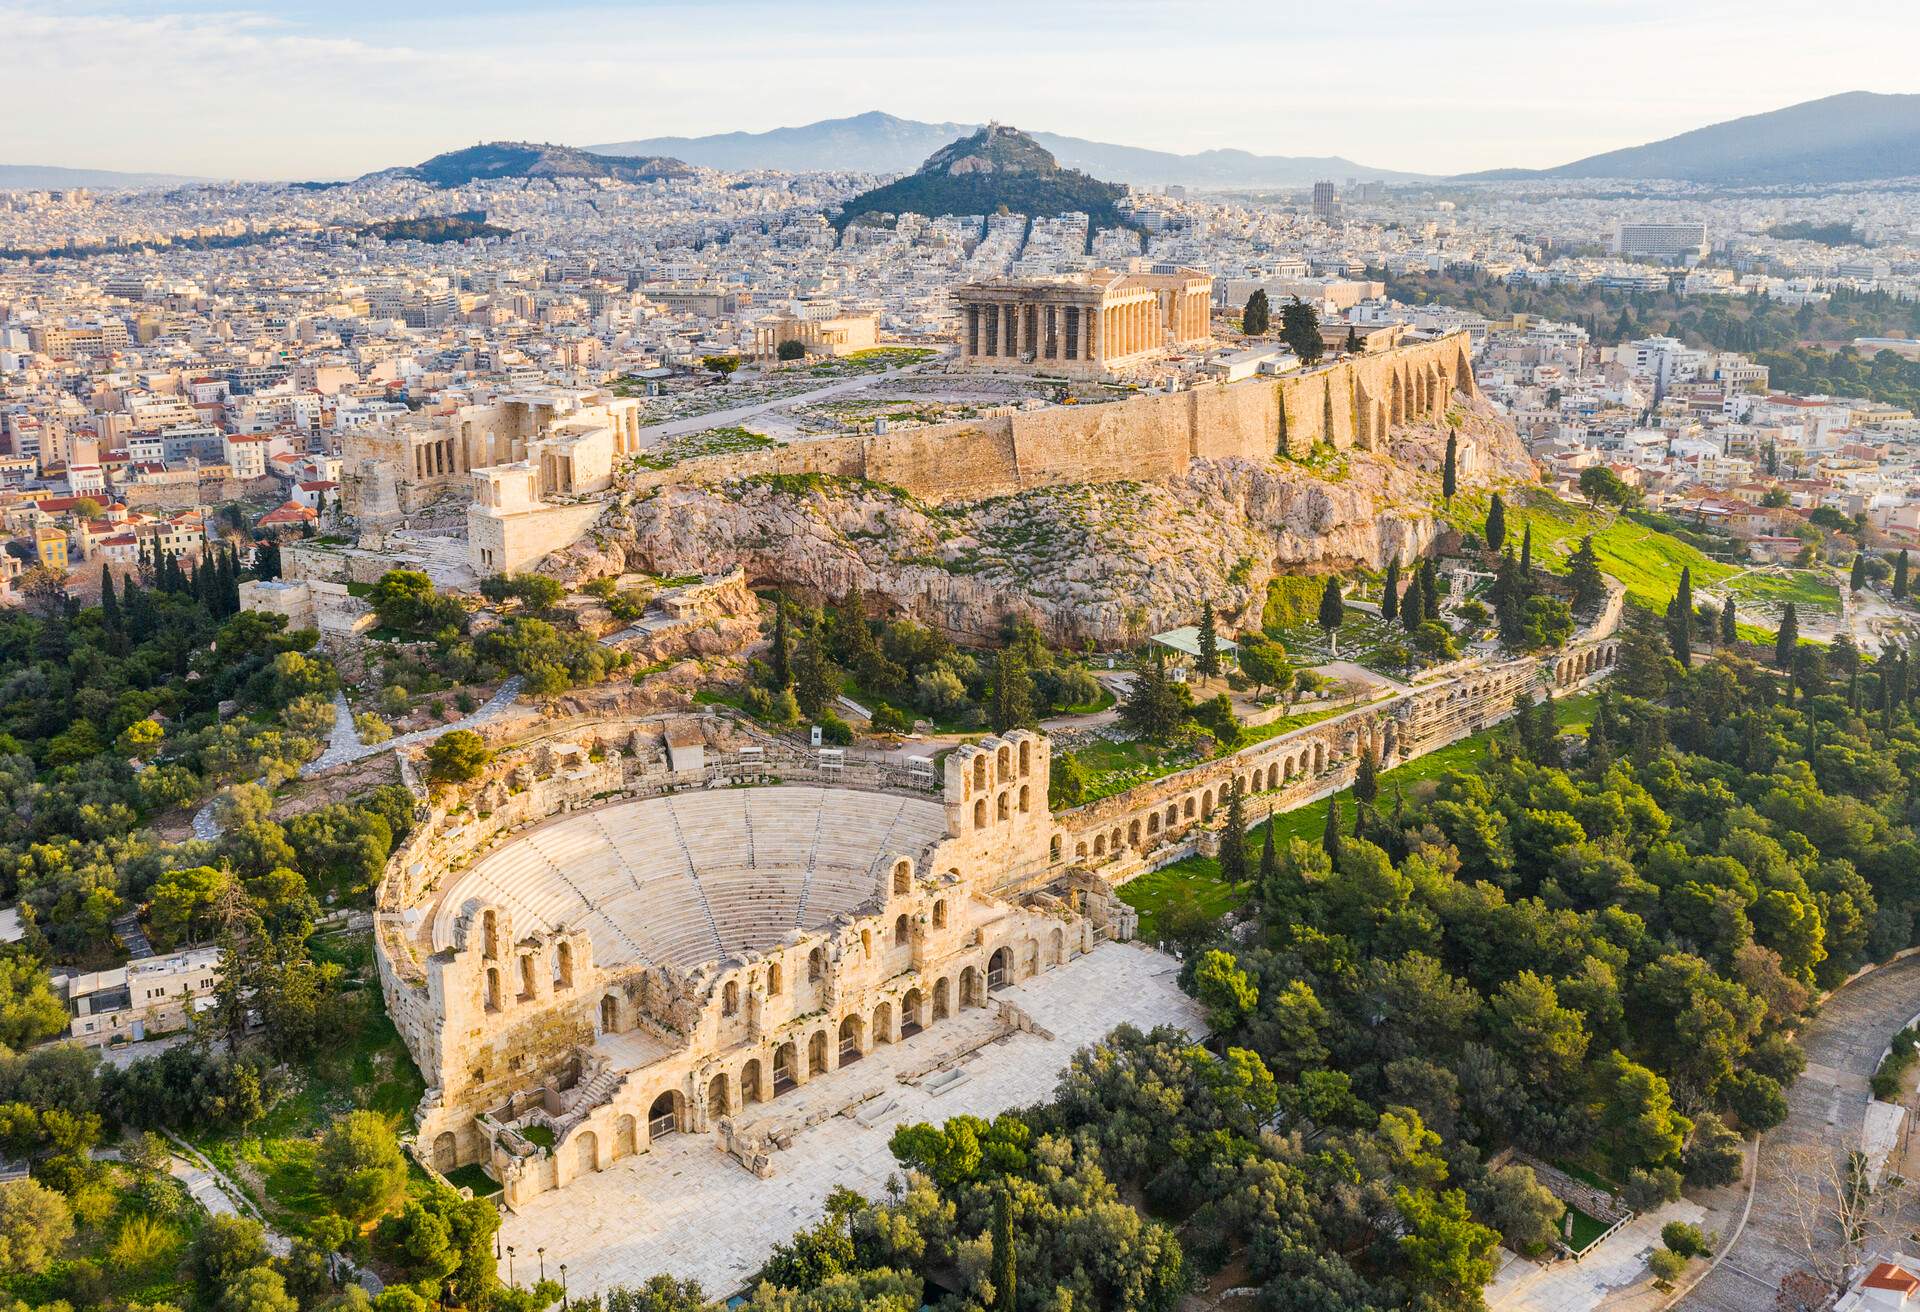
1645, 560
1198, 877
1805, 588
1586, 1229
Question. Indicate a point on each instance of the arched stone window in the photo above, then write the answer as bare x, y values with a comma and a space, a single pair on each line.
493, 988
609, 1015
940, 914
563, 965
866, 941
1003, 765
1026, 759
1023, 799
773, 979
1053, 848
1003, 805
730, 998
489, 934
980, 772
526, 975
980, 814
815, 960
903, 877
902, 932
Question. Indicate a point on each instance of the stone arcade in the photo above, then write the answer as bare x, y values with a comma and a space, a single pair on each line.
612, 952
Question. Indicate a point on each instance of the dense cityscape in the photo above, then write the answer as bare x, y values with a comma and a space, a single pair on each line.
661, 727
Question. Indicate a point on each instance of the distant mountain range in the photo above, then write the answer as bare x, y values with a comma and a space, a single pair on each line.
881, 143
35, 177
1853, 137
989, 170
525, 159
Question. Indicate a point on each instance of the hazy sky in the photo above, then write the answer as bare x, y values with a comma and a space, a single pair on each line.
332, 88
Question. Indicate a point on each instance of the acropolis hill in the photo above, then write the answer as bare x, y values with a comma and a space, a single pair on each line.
1097, 521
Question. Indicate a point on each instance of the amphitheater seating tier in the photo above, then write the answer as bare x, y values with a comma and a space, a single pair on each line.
690, 878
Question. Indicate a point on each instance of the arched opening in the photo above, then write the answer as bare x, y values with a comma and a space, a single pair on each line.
940, 914
663, 1117
1133, 833
1080, 852
774, 980
850, 1041
1153, 823
563, 965
1003, 765
783, 1074
717, 1097
1023, 798
730, 998
526, 976
1187, 809
980, 772
980, 814
902, 877
942, 1007
1026, 757
999, 969
489, 934
817, 1053
882, 1024
587, 1152
1054, 849
814, 963
1319, 757
1206, 804
750, 1090
1059, 947
1273, 776
1001, 806
1099, 845
1173, 815
911, 1007
901, 932
866, 942
969, 987
493, 988
609, 1015
446, 1152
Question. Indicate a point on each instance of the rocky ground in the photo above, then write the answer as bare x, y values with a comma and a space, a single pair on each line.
1110, 562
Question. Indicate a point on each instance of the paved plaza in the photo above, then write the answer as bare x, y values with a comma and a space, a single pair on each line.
687, 1209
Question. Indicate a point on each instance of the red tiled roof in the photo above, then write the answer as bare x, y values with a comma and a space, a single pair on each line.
1889, 1276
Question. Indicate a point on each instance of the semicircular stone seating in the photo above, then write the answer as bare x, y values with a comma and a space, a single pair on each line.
696, 877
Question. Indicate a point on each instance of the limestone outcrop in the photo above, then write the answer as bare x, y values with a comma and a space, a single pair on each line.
1106, 562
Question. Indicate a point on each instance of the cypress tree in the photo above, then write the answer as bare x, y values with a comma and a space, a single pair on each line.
1390, 591
109, 603
1680, 619
1449, 474
1583, 576
266, 560
1729, 624
1429, 590
1330, 835
1496, 523
1003, 1253
1209, 663
1900, 573
1269, 860
1233, 839
1857, 579
1333, 609
1526, 552
1258, 315
1411, 613
1788, 639
1366, 782
781, 659
1012, 705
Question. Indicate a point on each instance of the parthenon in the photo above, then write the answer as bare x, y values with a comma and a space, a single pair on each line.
1085, 324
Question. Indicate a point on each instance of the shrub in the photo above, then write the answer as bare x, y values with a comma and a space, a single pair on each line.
887, 720
1666, 1265
371, 728
834, 730
457, 757
1685, 1238
1647, 1190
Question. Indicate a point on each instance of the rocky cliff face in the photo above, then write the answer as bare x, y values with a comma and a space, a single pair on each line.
1108, 562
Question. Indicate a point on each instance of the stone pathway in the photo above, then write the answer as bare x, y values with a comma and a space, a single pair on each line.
655, 434
345, 746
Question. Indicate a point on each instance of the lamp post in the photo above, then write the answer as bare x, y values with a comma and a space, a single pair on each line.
510, 1280
542, 1250
563, 1287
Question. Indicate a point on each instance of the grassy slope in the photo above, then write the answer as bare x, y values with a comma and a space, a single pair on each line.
1198, 877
